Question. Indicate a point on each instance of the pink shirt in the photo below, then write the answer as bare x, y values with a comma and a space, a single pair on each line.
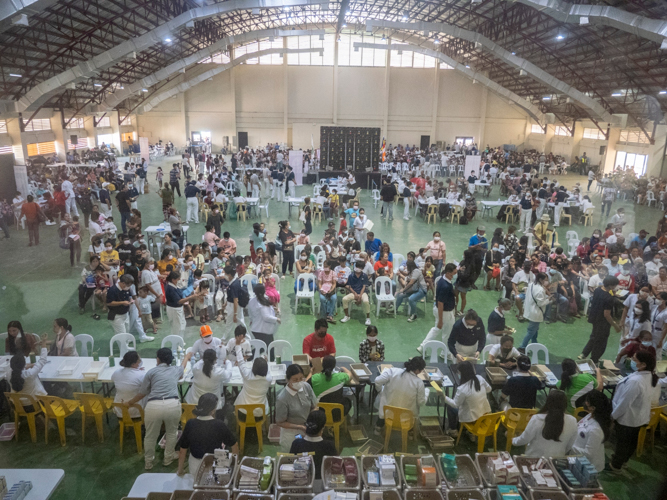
436, 250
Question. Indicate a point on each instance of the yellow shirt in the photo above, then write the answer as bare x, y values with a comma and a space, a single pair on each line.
540, 230
108, 256
333, 198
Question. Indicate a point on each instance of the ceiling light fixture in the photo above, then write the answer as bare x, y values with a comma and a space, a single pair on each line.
546, 98
168, 40
384, 38
662, 92
513, 53
405, 16
616, 94
97, 84
344, 25
559, 37
144, 90
436, 41
15, 75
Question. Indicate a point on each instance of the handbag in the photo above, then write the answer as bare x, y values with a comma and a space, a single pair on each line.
41, 216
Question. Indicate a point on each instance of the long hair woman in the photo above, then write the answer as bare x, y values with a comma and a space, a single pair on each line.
470, 401
17, 341
593, 430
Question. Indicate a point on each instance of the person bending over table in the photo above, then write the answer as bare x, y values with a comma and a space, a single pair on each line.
371, 348
313, 442
577, 385
293, 405
468, 338
470, 401
521, 388
17, 341
163, 406
503, 353
208, 376
204, 434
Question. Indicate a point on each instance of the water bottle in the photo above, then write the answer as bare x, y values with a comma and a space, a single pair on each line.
197, 356
173, 361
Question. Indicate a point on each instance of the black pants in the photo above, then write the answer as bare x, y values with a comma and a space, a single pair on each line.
589, 185
597, 343
85, 293
264, 337
175, 186
626, 444
155, 309
608, 204
288, 258
4, 226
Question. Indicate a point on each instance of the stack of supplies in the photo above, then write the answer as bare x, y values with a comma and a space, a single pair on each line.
19, 491
583, 470
449, 467
249, 478
222, 466
337, 471
300, 468
410, 471
504, 469
351, 472
428, 478
384, 472
541, 474
267, 470
508, 492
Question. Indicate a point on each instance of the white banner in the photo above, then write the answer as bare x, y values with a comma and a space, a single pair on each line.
21, 177
143, 146
472, 163
295, 160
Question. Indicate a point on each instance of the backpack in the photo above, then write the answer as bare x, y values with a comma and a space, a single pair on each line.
243, 296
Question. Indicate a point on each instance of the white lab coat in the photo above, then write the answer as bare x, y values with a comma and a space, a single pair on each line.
632, 400
590, 442
255, 388
537, 446
31, 383
128, 384
471, 404
400, 388
201, 383
262, 318
536, 303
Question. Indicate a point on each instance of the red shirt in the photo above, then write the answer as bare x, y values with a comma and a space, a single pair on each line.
317, 347
60, 198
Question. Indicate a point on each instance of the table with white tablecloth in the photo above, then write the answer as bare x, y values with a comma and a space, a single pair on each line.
44, 481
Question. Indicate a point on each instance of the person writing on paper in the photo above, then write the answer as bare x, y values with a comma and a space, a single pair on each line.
550, 433
468, 337
293, 405
24, 378
401, 387
313, 442
470, 401
521, 388
204, 434
504, 353
594, 429
576, 385
256, 382
208, 376
128, 382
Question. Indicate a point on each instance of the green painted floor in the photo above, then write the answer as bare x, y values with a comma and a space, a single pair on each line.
37, 285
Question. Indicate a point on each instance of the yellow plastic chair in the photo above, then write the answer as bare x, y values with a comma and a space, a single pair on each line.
580, 412
19, 408
588, 216
398, 419
485, 426
187, 413
331, 422
563, 216
251, 420
510, 215
455, 212
59, 409
127, 420
241, 211
317, 211
515, 421
649, 429
204, 210
432, 211
95, 406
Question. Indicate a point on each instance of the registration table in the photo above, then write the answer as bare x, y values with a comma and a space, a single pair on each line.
44, 481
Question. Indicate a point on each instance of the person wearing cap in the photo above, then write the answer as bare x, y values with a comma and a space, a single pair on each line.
206, 341
541, 228
203, 435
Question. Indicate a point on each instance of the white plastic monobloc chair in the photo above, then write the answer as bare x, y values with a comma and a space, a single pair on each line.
87, 344
435, 346
258, 348
345, 359
398, 260
126, 342
376, 197
264, 207
173, 341
276, 278
572, 247
249, 281
297, 251
571, 235
303, 290
380, 287
485, 353
280, 348
533, 350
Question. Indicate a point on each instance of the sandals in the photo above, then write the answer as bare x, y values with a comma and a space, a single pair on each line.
96, 317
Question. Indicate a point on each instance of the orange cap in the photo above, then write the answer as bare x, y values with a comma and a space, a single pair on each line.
206, 331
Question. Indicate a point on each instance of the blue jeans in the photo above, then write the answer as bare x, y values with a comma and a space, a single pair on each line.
327, 305
413, 297
531, 334
124, 217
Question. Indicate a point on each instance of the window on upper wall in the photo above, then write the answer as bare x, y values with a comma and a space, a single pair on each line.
362, 56
219, 58
75, 123
37, 124
633, 137
105, 121
3, 127
560, 130
127, 136
594, 133
468, 141
308, 58
82, 143
127, 120
536, 129
6, 150
41, 148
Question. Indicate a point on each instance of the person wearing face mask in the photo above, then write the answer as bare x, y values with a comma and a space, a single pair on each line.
175, 301
401, 387
206, 341
537, 298
327, 289
127, 382
526, 204
659, 323
632, 407
359, 223
293, 405
643, 342
470, 401
496, 326
357, 284
653, 266
636, 322
599, 315
319, 343
119, 301
444, 307
437, 249
110, 256
468, 337
594, 429
352, 212
371, 348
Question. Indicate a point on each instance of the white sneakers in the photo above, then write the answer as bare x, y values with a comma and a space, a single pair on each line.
368, 322
146, 339
345, 319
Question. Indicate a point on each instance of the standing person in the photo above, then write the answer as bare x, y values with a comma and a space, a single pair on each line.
233, 310
70, 202
359, 223
357, 285
191, 193
437, 250
287, 238
307, 216
407, 194
174, 177
444, 308
632, 407
119, 300
526, 204
594, 429
174, 301
290, 183
560, 202
599, 315
468, 338
496, 325
31, 211
167, 196
208, 376
123, 200
263, 319
163, 406
203, 435
550, 433
401, 387
608, 197
388, 193
591, 178
537, 298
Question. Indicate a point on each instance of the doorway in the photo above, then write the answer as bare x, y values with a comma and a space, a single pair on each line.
636, 162
425, 142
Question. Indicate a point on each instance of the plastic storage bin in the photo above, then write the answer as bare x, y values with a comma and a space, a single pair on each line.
527, 481
182, 494
483, 462
7, 431
423, 495
295, 496
368, 461
466, 494
414, 460
211, 495
387, 494
469, 477
292, 486
593, 488
547, 495
492, 494
204, 478
328, 484
255, 463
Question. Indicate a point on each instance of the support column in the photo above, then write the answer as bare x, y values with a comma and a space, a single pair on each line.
114, 120
334, 107
61, 134
385, 101
285, 92
434, 108
19, 147
232, 95
89, 125
482, 117
181, 105
609, 158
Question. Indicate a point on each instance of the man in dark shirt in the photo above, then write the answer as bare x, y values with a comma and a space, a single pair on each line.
191, 191
119, 301
468, 337
542, 197
521, 389
125, 248
233, 311
599, 315
444, 307
123, 200
388, 193
357, 284
204, 434
561, 197
174, 176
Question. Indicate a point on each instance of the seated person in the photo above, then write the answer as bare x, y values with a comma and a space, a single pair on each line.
328, 385
521, 388
239, 340
504, 354
313, 441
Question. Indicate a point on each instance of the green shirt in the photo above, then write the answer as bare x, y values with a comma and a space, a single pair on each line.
167, 196
582, 384
321, 385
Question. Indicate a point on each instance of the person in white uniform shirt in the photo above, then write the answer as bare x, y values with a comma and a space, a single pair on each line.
401, 387
593, 430
206, 341
256, 382
24, 378
359, 222
470, 401
70, 202
128, 382
552, 432
632, 407
208, 376
241, 341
